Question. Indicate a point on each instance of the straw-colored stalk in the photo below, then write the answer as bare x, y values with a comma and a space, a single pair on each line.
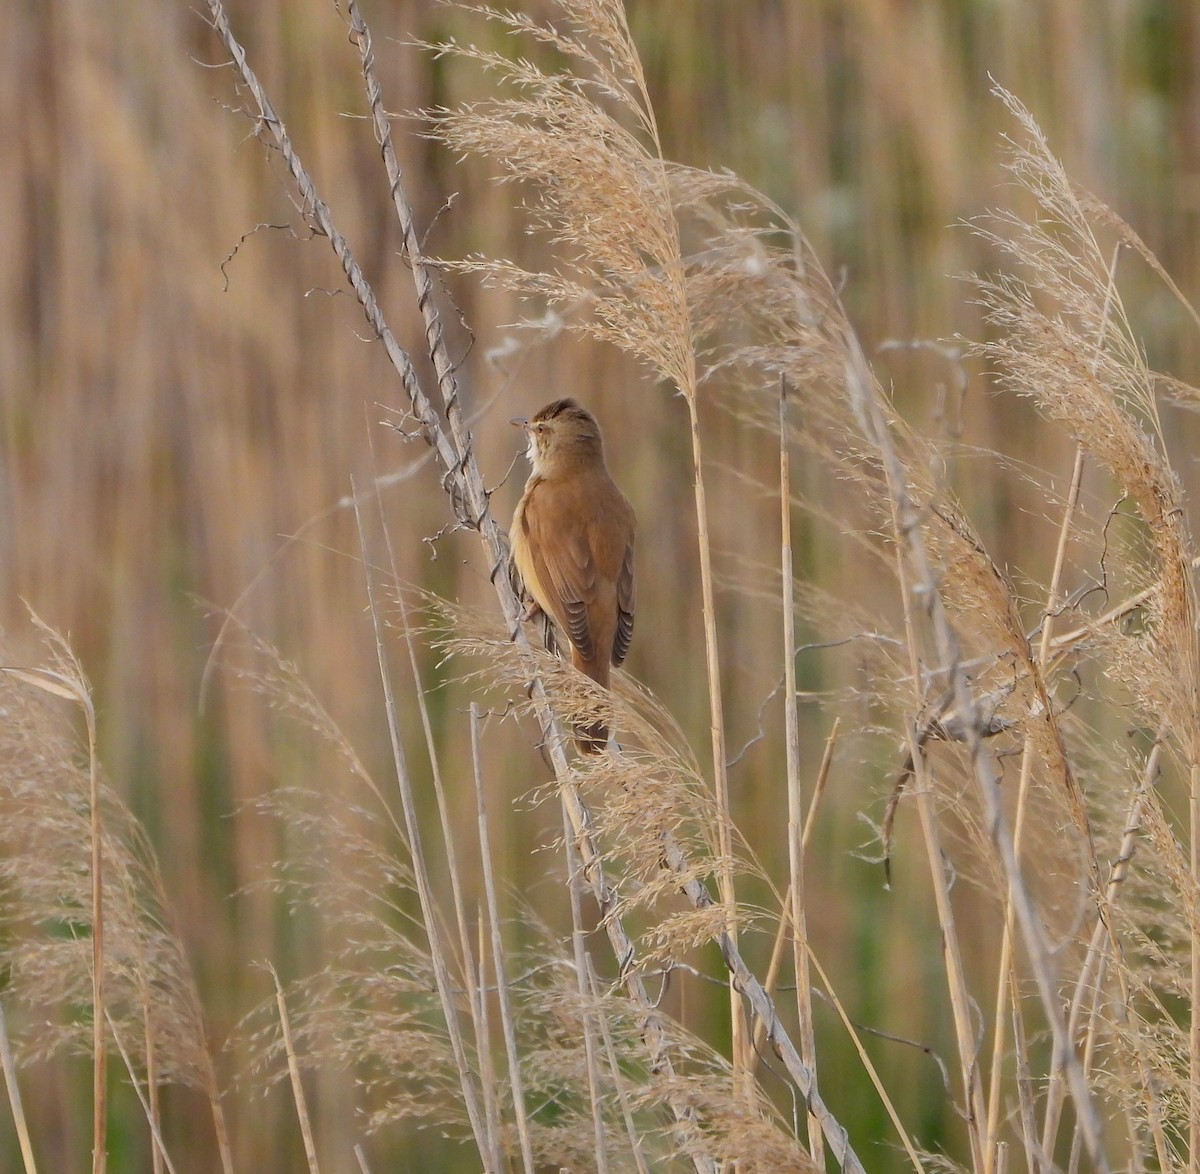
808, 1046
14, 1097
497, 946
1006, 975
295, 1076
437, 951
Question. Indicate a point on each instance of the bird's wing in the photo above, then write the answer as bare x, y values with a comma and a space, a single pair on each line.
571, 572
566, 573
626, 600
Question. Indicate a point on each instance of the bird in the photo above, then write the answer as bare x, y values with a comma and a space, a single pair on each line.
572, 544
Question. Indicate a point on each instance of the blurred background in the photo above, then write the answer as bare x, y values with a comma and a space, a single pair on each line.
187, 392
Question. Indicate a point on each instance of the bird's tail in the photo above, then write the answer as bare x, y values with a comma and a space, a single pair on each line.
591, 737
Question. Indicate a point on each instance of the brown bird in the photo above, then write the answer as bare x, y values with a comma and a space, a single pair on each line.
572, 542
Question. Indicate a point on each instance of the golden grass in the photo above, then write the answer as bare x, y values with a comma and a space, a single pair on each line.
1000, 620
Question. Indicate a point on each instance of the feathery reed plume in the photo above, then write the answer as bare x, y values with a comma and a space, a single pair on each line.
66, 679
653, 788
1065, 341
150, 999
371, 1011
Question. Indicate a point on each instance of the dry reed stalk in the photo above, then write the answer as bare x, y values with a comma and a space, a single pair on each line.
808, 1045
452, 869
99, 1058
635, 1142
1006, 977
14, 1097
294, 1075
586, 996
739, 1040
497, 946
157, 1151
437, 952
785, 926
1053, 603
1194, 1030
476, 991
489, 1087
855, 1037
960, 996
157, 1145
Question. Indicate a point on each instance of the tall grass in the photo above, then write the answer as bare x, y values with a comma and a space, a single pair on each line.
981, 596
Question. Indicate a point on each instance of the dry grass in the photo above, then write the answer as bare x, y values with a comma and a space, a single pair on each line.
56, 895
845, 619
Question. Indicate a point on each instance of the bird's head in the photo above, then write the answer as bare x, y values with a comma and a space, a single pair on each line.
561, 432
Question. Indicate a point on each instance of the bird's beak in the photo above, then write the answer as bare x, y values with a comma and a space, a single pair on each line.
520, 422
